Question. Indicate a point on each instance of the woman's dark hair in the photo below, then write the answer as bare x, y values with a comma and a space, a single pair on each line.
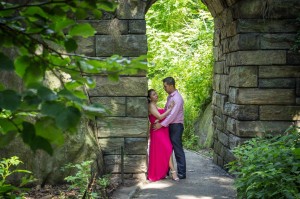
149, 93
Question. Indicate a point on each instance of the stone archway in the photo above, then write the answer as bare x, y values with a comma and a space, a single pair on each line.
256, 77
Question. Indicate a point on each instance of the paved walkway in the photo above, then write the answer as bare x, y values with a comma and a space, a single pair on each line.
204, 180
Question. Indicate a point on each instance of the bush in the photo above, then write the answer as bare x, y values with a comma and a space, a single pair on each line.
268, 167
7, 169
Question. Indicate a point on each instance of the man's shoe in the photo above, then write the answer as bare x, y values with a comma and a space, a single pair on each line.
181, 176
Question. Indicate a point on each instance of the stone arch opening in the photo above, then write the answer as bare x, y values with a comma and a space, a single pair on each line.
256, 77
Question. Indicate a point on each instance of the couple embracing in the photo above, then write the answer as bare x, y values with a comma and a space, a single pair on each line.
166, 131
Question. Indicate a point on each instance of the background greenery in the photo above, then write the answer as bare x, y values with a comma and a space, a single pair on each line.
180, 34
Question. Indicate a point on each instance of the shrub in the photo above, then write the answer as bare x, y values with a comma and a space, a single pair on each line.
268, 167
85, 183
7, 168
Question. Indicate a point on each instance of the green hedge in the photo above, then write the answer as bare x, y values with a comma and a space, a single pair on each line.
268, 167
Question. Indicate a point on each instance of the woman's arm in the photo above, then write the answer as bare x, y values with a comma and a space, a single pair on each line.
153, 110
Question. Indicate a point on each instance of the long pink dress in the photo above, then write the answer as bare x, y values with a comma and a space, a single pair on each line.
160, 151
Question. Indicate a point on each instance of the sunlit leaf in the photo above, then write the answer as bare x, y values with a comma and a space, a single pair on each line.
21, 63
84, 30
47, 129
61, 24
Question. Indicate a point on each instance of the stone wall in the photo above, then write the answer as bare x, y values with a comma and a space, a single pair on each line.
256, 75
122, 33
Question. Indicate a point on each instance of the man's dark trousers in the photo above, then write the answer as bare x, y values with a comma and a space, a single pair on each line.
176, 131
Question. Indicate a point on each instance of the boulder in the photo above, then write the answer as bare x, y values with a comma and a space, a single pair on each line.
78, 147
204, 129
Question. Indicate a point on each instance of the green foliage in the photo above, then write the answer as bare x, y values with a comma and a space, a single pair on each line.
43, 37
268, 168
84, 182
7, 168
180, 35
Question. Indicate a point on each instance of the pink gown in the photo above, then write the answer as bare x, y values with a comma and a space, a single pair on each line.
160, 151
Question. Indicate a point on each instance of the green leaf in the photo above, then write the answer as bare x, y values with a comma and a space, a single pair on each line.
6, 63
21, 63
28, 132
35, 142
84, 30
6, 126
69, 95
52, 109
70, 45
69, 118
47, 129
31, 11
33, 75
107, 6
46, 94
61, 24
9, 100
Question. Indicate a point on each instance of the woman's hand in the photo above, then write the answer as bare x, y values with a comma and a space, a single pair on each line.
171, 105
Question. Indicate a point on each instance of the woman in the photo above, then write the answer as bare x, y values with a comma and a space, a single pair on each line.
160, 153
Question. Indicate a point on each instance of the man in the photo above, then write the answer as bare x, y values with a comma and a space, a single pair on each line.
175, 122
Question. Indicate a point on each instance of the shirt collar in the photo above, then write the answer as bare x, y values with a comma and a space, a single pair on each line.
172, 94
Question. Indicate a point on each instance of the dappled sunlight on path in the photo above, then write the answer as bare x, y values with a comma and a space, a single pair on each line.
204, 180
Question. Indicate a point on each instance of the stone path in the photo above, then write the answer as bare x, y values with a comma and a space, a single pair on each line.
205, 180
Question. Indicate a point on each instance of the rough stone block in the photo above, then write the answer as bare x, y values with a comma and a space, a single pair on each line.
217, 111
229, 156
252, 129
122, 127
241, 112
266, 25
126, 86
280, 113
261, 96
244, 76
293, 58
219, 67
220, 122
298, 87
137, 107
277, 83
136, 146
109, 27
277, 41
248, 41
222, 137
86, 46
116, 106
221, 83
258, 57
248, 9
278, 71
111, 145
219, 100
235, 141
137, 27
217, 37
124, 45
128, 9
132, 163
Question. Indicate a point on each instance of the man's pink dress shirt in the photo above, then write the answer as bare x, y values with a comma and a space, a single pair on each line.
176, 115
